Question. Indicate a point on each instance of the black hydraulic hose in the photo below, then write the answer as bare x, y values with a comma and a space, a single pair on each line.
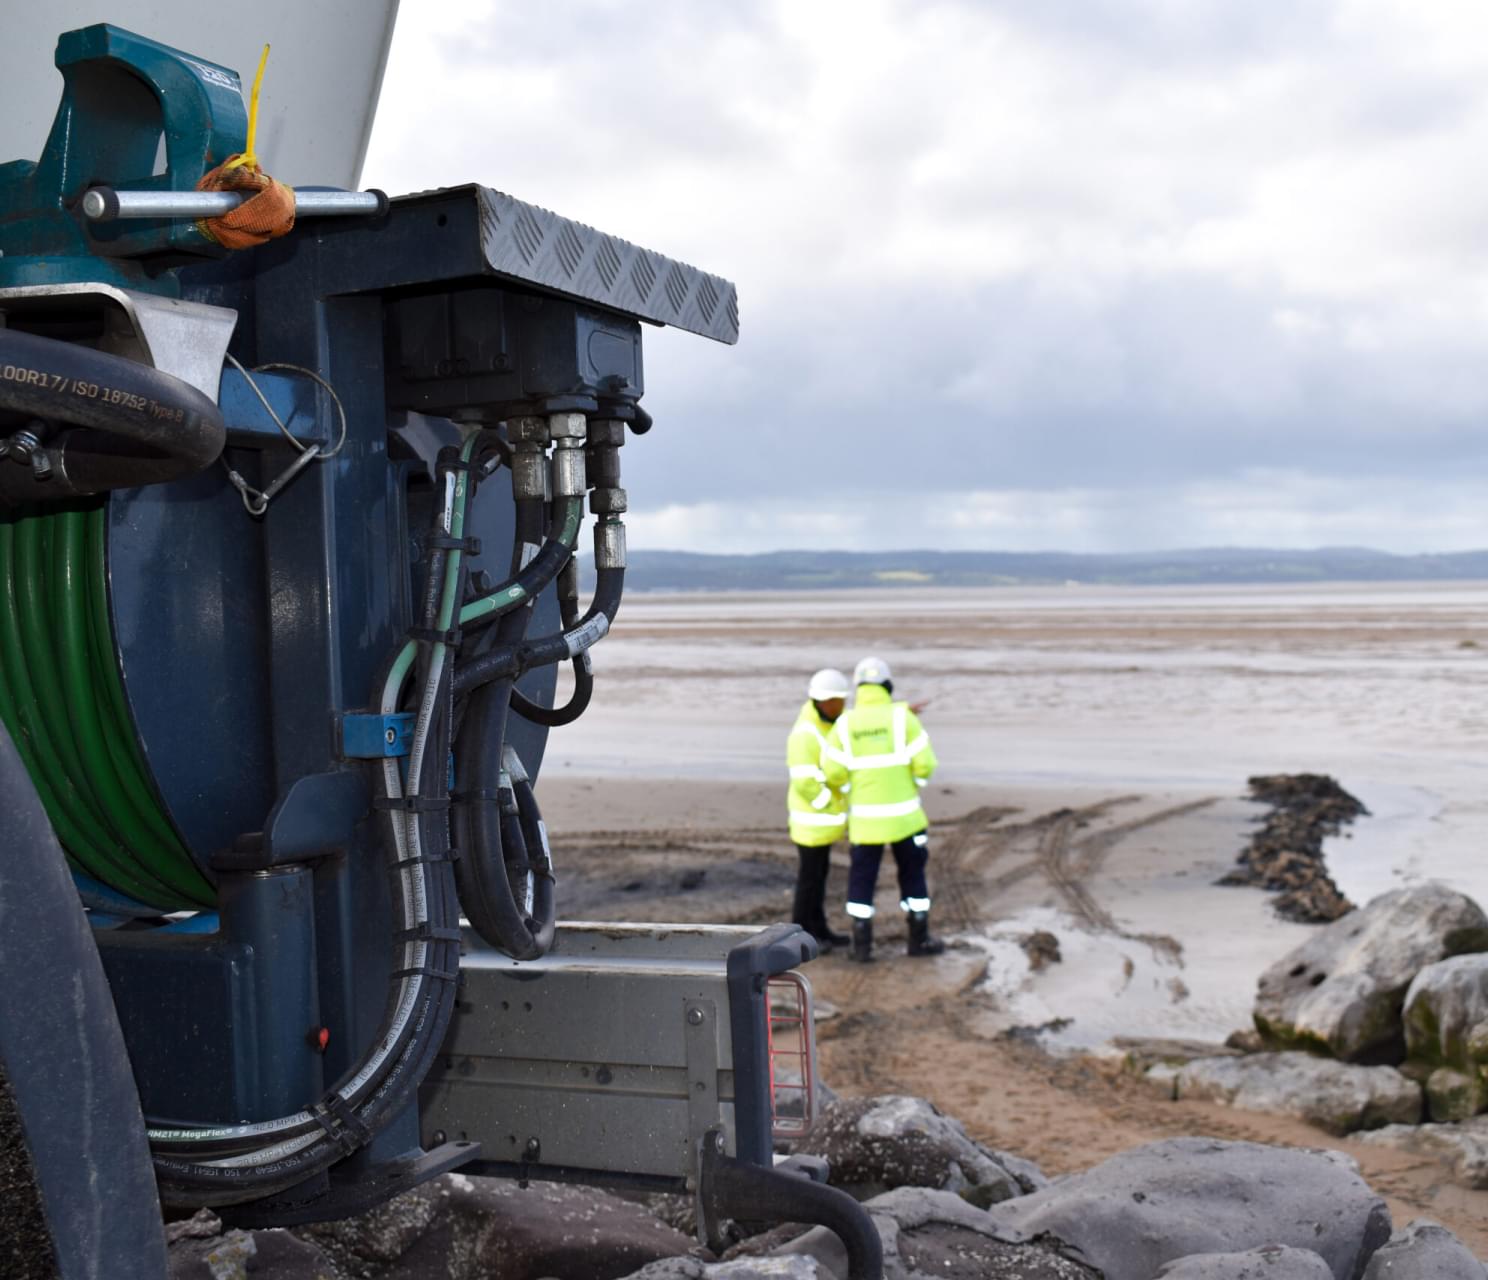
577, 704
538, 859
507, 661
482, 836
137, 426
583, 690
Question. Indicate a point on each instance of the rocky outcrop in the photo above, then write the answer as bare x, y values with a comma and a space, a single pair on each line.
1463, 1147
1270, 1262
239, 1255
935, 1233
1338, 1097
1341, 992
1424, 1250
1446, 1034
1286, 854
1169, 1200
877, 1144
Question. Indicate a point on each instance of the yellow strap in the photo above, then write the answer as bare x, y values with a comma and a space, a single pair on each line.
249, 156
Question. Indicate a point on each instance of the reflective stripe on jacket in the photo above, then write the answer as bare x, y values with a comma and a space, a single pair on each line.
882, 752
818, 813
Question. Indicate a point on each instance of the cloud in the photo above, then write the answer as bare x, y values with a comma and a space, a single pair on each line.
1115, 250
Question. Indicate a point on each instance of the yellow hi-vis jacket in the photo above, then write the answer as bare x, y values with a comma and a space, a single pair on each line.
818, 813
880, 750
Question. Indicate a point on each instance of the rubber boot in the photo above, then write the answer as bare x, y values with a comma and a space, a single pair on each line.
862, 942
920, 941
825, 935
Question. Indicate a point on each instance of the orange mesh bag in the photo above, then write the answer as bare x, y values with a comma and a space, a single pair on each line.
267, 212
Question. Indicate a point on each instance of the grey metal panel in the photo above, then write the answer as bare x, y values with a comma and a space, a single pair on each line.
530, 243
586, 1059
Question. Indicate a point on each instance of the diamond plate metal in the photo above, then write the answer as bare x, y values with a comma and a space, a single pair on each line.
527, 243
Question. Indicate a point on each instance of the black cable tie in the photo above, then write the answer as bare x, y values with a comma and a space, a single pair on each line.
439, 975
341, 1123
444, 542
450, 637
429, 859
411, 804
427, 932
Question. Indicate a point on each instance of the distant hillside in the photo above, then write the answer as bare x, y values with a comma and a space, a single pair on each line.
821, 570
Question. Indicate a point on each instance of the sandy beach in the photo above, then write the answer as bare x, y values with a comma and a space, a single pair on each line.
1095, 745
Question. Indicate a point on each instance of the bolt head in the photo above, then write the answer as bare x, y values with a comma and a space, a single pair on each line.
695, 1017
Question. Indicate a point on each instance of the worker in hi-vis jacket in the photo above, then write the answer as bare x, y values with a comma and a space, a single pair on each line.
881, 752
818, 813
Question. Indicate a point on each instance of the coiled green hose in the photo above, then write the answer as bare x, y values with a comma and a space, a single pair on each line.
62, 700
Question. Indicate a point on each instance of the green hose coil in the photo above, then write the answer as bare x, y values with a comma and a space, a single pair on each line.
62, 699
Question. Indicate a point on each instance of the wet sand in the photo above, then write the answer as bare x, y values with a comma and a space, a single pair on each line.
1094, 747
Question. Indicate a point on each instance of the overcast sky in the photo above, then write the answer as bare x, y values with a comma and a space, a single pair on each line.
1082, 274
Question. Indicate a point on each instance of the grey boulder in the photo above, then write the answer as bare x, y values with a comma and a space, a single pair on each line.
1341, 992
466, 1228
877, 1144
794, 1267
929, 1233
1463, 1147
1339, 1097
1155, 1204
1446, 1034
1424, 1250
1270, 1262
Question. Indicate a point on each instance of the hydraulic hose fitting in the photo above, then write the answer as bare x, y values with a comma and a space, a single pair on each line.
606, 435
609, 542
607, 502
529, 441
568, 454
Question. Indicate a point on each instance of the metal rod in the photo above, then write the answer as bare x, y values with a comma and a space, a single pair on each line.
104, 204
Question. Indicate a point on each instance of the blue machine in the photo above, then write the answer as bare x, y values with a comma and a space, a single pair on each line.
286, 570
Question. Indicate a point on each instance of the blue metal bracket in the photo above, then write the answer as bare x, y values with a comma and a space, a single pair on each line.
366, 736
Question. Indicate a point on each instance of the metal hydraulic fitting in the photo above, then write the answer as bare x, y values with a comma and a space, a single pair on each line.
609, 544
567, 426
608, 502
529, 441
568, 469
606, 435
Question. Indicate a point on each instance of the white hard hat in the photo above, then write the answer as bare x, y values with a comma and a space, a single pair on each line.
826, 684
871, 671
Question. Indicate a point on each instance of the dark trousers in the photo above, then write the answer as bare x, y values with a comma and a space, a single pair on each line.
809, 910
910, 856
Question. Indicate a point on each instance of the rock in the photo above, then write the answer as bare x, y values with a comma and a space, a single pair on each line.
1451, 1095
1245, 1040
239, 1255
1338, 1097
1270, 1262
1424, 1250
1463, 1147
1286, 854
936, 1233
1138, 1053
877, 1144
1446, 1008
1042, 949
1341, 992
793, 1267
466, 1228
1155, 1204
